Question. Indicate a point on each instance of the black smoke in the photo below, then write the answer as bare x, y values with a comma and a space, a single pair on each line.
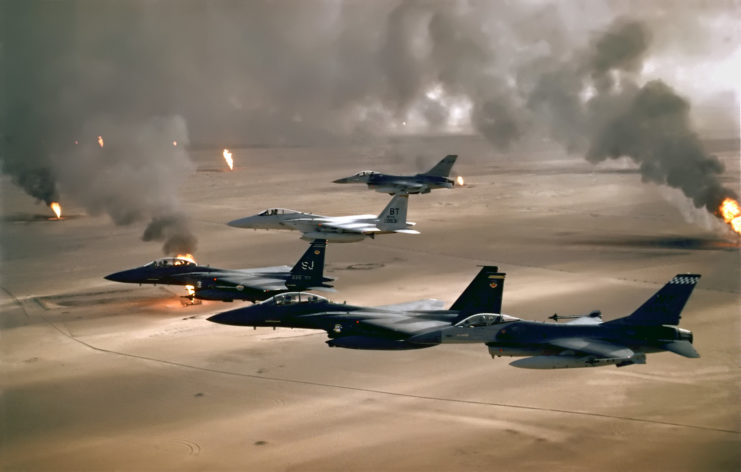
654, 131
649, 123
134, 177
277, 73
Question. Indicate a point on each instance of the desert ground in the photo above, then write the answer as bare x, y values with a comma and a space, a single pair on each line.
104, 376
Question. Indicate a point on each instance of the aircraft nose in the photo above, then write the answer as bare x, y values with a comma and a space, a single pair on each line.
430, 338
123, 276
344, 180
229, 318
219, 318
246, 222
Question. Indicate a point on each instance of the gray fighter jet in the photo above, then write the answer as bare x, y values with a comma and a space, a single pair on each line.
585, 341
337, 229
437, 177
210, 283
356, 327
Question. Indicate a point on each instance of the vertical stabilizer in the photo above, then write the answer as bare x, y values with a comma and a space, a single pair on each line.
442, 168
483, 294
394, 216
666, 305
309, 270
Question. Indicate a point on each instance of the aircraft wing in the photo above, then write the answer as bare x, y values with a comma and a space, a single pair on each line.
427, 304
252, 281
405, 184
351, 226
259, 278
594, 347
407, 325
260, 270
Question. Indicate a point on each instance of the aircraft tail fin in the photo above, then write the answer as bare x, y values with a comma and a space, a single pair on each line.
309, 270
394, 216
483, 294
442, 168
666, 305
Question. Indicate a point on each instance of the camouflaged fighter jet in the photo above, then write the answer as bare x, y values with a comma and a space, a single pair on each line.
585, 341
210, 283
385, 327
437, 177
336, 229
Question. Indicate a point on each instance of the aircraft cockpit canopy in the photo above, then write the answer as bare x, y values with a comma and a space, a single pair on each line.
172, 262
276, 211
363, 173
485, 319
292, 298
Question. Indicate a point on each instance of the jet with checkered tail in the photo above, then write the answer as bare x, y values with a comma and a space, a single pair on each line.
583, 340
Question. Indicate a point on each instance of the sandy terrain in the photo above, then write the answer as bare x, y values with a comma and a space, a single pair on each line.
100, 376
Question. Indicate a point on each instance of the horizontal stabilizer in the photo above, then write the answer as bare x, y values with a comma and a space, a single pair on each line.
683, 348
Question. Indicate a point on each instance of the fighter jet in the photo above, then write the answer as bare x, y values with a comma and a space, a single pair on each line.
585, 341
385, 327
337, 229
210, 283
437, 177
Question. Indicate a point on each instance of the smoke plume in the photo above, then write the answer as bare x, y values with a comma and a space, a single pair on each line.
649, 123
580, 72
133, 177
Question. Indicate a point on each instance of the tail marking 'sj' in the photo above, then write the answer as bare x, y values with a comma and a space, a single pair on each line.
309, 270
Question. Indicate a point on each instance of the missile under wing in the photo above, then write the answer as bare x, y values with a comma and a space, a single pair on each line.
584, 341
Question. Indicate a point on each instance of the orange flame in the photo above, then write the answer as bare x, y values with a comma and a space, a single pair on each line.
174, 143
191, 290
100, 141
731, 213
187, 257
228, 158
57, 209
459, 180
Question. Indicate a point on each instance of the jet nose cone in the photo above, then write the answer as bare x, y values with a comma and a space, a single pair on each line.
343, 180
431, 338
229, 318
219, 318
123, 276
246, 222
